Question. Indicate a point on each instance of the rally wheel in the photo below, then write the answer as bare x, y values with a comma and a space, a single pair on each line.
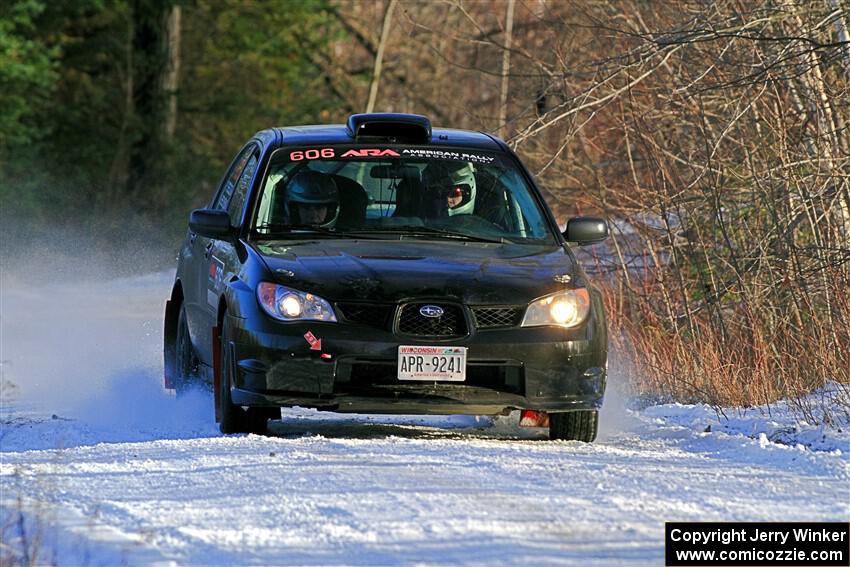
574, 425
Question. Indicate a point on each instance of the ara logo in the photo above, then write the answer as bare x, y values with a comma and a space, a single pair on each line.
431, 311
370, 152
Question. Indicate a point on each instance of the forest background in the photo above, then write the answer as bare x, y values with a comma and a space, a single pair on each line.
714, 135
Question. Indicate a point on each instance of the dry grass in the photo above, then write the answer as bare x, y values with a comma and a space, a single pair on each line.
22, 540
749, 361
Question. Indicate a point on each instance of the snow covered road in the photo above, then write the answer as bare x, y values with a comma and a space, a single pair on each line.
108, 470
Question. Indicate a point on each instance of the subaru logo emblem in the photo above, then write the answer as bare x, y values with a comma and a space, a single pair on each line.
431, 311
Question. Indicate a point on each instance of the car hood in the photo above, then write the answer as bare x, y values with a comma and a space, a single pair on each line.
397, 270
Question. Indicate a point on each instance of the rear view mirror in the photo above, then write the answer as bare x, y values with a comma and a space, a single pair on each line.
211, 223
394, 172
586, 230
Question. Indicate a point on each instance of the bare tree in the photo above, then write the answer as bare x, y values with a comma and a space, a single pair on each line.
379, 56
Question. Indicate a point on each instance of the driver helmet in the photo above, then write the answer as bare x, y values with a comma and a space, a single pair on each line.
456, 181
311, 189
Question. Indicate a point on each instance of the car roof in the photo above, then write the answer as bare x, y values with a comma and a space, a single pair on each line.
338, 134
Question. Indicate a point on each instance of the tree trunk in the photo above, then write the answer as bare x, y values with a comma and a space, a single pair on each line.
171, 72
379, 57
150, 30
506, 70
118, 173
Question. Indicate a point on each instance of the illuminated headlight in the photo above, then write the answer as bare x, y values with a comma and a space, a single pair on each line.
287, 304
567, 308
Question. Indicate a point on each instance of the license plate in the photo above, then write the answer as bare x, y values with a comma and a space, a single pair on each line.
437, 363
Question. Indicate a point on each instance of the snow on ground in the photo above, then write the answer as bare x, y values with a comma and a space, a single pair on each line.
777, 423
106, 469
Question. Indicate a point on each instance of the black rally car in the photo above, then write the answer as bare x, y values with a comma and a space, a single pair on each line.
385, 267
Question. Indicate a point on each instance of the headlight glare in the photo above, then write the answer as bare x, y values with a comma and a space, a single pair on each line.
562, 312
568, 308
290, 306
287, 304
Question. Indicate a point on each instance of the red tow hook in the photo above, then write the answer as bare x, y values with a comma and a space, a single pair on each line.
531, 418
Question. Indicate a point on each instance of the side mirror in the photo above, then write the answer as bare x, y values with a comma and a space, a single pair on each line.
586, 230
211, 223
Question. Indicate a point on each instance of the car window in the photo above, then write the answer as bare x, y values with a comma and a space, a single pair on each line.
225, 192
471, 192
237, 201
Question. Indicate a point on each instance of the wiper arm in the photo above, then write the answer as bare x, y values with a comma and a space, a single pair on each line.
296, 229
429, 231
272, 228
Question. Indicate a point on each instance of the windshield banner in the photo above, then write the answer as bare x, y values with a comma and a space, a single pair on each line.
360, 152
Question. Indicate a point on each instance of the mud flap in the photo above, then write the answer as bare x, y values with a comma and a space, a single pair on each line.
169, 354
216, 378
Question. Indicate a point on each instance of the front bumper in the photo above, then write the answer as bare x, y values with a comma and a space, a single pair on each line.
543, 368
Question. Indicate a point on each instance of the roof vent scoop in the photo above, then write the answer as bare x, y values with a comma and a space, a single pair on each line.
390, 127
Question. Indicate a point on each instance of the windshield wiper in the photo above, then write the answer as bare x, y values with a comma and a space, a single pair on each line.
272, 229
431, 231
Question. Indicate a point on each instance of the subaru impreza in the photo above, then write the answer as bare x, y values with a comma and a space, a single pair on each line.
385, 266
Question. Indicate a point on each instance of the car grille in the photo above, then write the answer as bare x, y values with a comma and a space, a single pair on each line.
492, 317
450, 324
370, 314
411, 322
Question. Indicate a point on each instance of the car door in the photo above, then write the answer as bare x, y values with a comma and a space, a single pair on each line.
199, 272
220, 256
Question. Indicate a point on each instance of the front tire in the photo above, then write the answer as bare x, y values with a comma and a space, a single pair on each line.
232, 418
574, 425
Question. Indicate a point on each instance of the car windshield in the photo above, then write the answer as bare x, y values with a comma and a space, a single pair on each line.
399, 192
